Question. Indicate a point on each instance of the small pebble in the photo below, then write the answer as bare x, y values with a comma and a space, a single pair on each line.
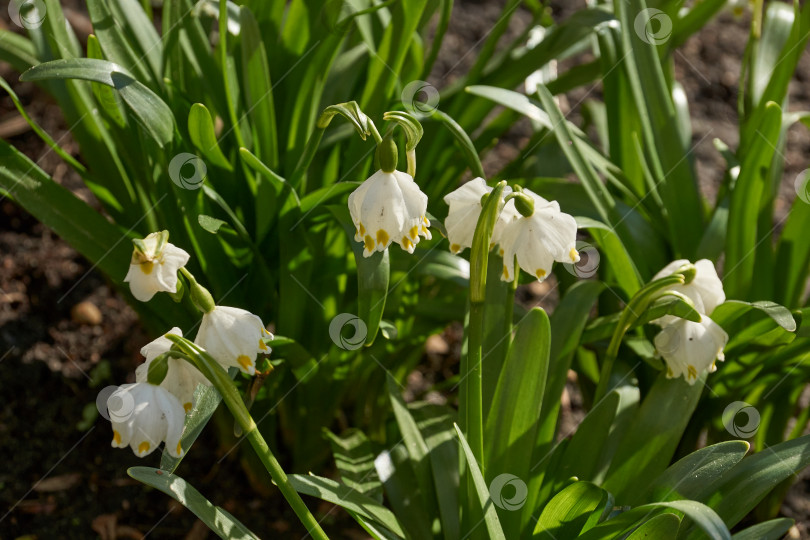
86, 313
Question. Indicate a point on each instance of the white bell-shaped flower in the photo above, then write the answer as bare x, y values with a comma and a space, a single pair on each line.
545, 236
690, 348
389, 207
465, 209
182, 378
705, 290
233, 337
154, 266
144, 415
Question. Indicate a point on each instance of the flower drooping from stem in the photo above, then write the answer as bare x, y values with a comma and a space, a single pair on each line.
154, 266
389, 207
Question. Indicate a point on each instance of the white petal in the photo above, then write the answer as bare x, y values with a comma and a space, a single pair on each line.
556, 231
539, 240
511, 239
355, 204
705, 290
669, 269
508, 215
171, 260
152, 416
143, 286
234, 337
151, 244
416, 223
532, 254
690, 348
174, 420
160, 345
460, 225
383, 212
709, 286
468, 193
181, 380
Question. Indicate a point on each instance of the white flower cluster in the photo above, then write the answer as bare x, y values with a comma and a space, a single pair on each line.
143, 414
689, 348
536, 240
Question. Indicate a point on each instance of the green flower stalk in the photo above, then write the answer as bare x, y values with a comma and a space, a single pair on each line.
471, 413
632, 312
233, 400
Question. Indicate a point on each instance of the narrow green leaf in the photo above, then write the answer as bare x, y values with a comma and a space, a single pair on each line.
743, 235
677, 184
414, 443
201, 130
662, 527
355, 461
704, 517
567, 322
258, 88
436, 426
695, 476
616, 256
731, 310
106, 96
566, 514
793, 252
210, 224
150, 110
348, 498
372, 277
206, 401
587, 446
114, 42
140, 30
493, 525
751, 479
649, 443
17, 50
39, 131
769, 530
217, 519
467, 146
511, 426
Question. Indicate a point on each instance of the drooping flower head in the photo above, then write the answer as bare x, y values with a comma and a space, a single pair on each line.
705, 290
689, 348
465, 209
233, 337
389, 206
154, 266
540, 235
144, 415
182, 378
